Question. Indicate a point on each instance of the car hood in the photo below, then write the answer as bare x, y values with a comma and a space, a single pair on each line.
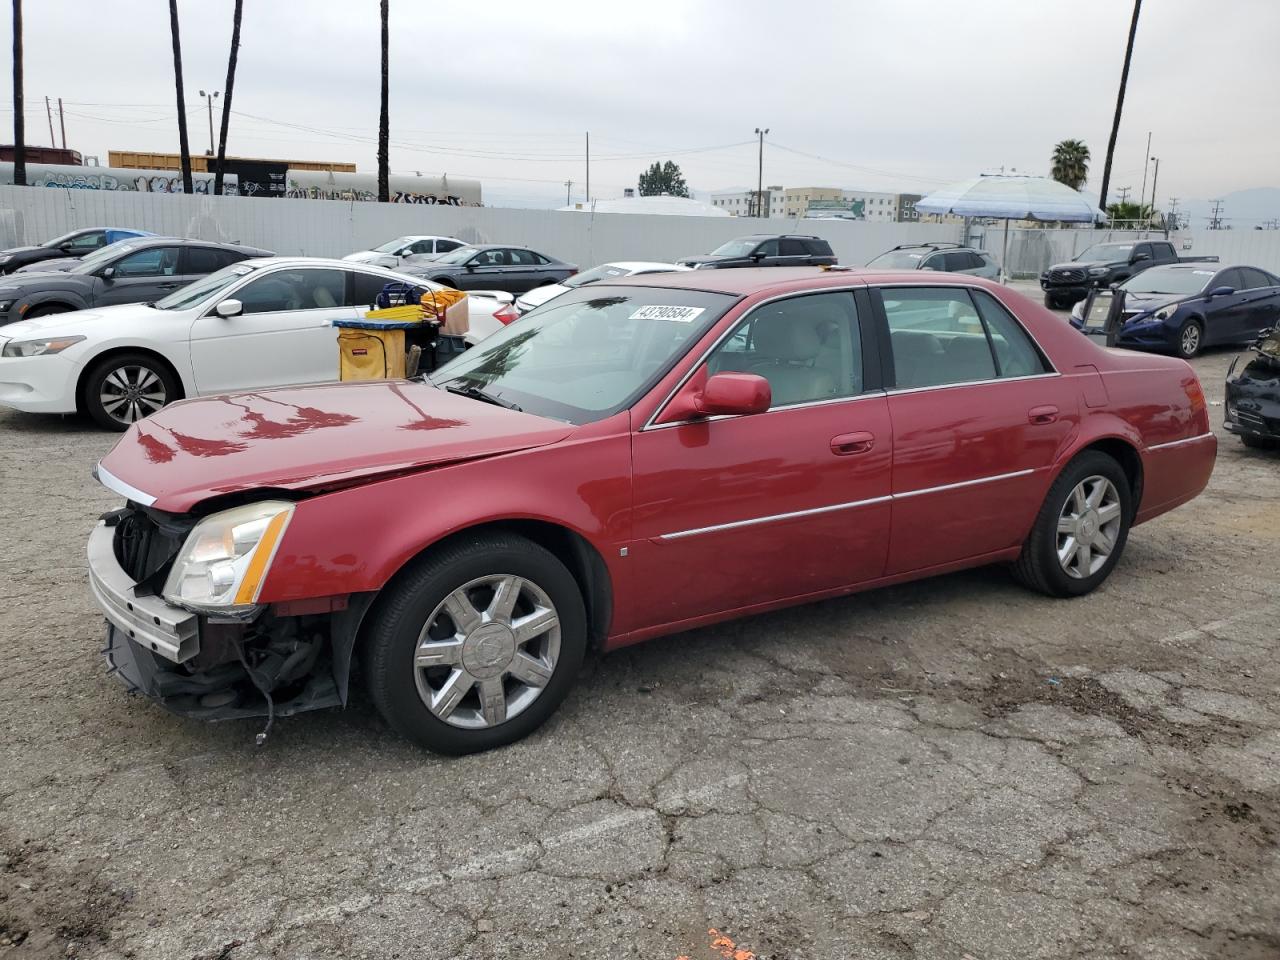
59, 322
1142, 302
700, 258
1079, 264
27, 280
311, 438
56, 265
367, 256
25, 250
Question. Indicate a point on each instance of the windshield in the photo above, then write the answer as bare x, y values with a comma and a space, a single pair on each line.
1105, 252
898, 260
99, 257
606, 271
65, 238
588, 353
1168, 280
193, 293
736, 248
457, 256
391, 246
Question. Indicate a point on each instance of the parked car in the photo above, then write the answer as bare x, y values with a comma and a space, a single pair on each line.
255, 324
1253, 395
1182, 308
766, 250
606, 271
946, 257
134, 271
493, 267
1104, 264
637, 457
77, 243
394, 252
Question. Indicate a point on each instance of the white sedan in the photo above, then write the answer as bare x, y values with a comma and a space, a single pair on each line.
606, 271
395, 252
255, 324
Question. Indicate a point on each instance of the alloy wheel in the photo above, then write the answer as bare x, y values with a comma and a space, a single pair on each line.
1190, 340
487, 651
1089, 527
131, 392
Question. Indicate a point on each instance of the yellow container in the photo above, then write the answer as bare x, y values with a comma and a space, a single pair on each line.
370, 354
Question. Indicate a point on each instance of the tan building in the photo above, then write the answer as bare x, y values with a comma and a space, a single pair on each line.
798, 198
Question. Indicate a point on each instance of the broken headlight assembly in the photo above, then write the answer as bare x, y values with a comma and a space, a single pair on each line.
224, 561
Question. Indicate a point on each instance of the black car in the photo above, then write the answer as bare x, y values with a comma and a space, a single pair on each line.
492, 267
77, 243
1253, 397
134, 271
766, 250
1104, 264
1182, 308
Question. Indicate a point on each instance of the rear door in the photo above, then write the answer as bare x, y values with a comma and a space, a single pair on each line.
1264, 300
143, 276
792, 252
978, 418
284, 335
782, 504
523, 272
1227, 319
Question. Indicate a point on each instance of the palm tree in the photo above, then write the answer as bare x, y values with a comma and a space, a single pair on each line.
19, 124
384, 123
1071, 163
1115, 124
184, 151
226, 101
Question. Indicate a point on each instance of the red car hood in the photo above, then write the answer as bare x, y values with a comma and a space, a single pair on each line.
308, 438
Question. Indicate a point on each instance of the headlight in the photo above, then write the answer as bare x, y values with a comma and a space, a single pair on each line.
225, 559
38, 348
1164, 313
5, 257
1097, 271
5, 305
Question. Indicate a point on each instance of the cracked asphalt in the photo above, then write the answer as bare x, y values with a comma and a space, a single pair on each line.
954, 769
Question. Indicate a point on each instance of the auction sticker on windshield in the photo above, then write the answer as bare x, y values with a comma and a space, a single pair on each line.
675, 314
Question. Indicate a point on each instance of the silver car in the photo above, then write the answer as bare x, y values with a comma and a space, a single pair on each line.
944, 257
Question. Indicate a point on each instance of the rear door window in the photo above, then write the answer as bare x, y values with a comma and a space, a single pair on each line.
202, 260
937, 337
1016, 353
523, 258
792, 248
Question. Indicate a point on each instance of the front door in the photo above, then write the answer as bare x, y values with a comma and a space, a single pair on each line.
284, 335
487, 270
978, 417
143, 276
782, 504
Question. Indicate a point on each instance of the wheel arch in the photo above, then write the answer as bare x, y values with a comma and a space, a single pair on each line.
64, 304
91, 365
1125, 453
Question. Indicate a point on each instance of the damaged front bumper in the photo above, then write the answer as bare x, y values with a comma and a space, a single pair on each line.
284, 661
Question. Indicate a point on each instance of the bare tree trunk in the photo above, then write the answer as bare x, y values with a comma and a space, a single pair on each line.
183, 149
19, 120
384, 123
1115, 124
226, 99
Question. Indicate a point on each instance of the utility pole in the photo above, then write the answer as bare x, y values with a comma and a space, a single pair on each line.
588, 168
760, 172
49, 113
1155, 182
209, 99
1172, 218
1115, 124
19, 120
1146, 163
1215, 219
568, 185
62, 124
1124, 193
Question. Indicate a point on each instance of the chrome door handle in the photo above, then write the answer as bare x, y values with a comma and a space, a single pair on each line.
1045, 414
850, 443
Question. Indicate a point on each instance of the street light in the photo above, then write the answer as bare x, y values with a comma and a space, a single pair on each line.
209, 99
1155, 180
760, 182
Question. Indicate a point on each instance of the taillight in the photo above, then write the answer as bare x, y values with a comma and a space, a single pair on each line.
507, 314
1195, 393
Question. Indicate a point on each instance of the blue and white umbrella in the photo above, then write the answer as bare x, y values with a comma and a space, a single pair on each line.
1011, 198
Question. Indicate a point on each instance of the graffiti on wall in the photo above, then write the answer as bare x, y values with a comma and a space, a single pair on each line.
347, 193
153, 183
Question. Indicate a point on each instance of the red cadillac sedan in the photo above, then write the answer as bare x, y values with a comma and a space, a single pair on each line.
632, 459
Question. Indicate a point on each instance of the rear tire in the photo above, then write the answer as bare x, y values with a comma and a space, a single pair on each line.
1076, 542
1259, 443
440, 651
1190, 339
124, 388
1051, 301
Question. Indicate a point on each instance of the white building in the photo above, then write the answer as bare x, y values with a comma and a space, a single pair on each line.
876, 207
742, 202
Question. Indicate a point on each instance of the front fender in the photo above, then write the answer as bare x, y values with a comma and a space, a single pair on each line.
70, 298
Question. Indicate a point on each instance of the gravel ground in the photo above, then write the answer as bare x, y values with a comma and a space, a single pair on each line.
953, 770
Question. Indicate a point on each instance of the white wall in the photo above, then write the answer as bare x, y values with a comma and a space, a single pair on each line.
331, 228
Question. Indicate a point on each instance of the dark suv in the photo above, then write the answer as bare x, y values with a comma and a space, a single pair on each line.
766, 250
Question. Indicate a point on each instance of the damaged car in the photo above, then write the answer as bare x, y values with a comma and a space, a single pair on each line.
635, 458
1253, 395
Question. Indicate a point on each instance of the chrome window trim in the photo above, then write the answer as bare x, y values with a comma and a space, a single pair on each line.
831, 508
1178, 443
869, 395
116, 485
649, 424
896, 391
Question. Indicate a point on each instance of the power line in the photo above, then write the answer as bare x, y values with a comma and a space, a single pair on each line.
854, 166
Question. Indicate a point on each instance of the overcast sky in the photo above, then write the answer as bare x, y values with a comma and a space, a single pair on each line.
891, 95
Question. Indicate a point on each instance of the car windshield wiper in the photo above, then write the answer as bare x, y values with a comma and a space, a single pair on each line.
475, 393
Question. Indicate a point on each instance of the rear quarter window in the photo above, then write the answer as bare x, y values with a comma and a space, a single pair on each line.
818, 248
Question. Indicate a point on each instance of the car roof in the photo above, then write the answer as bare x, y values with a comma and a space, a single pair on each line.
781, 236
141, 243
747, 281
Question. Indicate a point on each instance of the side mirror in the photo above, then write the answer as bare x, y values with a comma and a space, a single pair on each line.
722, 395
1139, 257
1221, 292
229, 308
758, 256
107, 273
470, 267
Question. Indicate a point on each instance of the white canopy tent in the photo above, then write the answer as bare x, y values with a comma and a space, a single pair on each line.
1011, 198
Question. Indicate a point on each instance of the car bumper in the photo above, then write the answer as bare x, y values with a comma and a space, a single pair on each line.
1062, 290
39, 384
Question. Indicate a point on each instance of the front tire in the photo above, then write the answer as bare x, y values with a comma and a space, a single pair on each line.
1081, 530
1190, 339
477, 644
46, 311
124, 388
